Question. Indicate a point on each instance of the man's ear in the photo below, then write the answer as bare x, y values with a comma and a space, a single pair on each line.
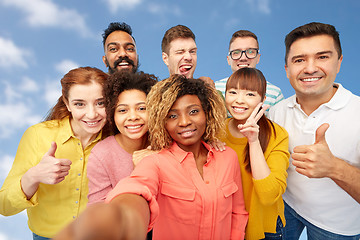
105, 61
165, 58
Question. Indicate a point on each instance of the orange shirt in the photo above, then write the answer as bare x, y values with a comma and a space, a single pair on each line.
184, 205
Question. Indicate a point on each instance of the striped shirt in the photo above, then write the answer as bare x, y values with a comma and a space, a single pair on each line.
273, 93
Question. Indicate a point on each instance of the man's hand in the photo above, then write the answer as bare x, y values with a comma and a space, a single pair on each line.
316, 160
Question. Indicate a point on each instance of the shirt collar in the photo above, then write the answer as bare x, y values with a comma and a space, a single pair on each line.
67, 133
180, 155
338, 101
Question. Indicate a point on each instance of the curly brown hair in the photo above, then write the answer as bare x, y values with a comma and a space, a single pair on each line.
164, 94
119, 82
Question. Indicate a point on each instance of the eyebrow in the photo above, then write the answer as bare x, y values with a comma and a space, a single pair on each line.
318, 53
116, 43
82, 100
123, 104
190, 106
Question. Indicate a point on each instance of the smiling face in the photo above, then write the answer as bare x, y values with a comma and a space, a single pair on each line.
86, 105
241, 102
312, 66
186, 122
182, 57
120, 52
131, 117
243, 43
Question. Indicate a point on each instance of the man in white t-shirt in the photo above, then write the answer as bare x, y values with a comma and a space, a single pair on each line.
244, 52
323, 185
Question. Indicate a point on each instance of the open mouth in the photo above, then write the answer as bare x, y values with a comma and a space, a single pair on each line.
239, 109
185, 69
92, 123
187, 133
134, 128
312, 79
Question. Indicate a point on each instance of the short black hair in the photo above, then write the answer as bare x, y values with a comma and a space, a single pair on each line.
117, 26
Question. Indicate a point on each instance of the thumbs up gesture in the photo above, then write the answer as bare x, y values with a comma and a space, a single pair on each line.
316, 160
51, 170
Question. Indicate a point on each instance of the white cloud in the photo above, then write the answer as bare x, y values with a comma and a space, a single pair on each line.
5, 166
3, 236
15, 116
52, 92
12, 55
262, 6
65, 66
28, 85
114, 5
164, 9
45, 13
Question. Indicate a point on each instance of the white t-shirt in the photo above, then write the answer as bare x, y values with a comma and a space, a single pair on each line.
320, 200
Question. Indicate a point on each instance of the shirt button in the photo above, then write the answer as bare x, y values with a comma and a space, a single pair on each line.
79, 174
77, 189
80, 158
74, 217
79, 144
76, 202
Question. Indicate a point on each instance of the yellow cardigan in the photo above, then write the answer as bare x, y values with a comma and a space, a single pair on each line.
263, 197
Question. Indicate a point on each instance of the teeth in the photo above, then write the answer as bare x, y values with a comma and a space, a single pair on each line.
91, 123
310, 79
239, 109
187, 133
133, 127
123, 64
242, 65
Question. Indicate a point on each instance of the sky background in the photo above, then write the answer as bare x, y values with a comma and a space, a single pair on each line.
41, 40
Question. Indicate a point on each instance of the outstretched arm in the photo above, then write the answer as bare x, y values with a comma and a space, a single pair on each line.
126, 217
317, 161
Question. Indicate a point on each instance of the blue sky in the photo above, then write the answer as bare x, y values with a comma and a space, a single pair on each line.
41, 40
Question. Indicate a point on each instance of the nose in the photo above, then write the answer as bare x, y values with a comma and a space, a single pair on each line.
91, 112
133, 114
122, 52
243, 56
184, 120
187, 56
240, 98
310, 67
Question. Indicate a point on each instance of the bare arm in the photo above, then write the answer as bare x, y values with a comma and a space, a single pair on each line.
126, 217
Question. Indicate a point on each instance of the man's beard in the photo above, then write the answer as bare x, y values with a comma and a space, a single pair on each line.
119, 60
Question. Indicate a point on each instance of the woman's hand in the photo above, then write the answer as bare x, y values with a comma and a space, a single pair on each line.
251, 129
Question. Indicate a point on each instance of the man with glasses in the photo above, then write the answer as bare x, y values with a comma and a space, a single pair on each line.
244, 52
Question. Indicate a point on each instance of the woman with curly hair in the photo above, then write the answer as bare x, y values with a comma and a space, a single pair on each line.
185, 191
111, 159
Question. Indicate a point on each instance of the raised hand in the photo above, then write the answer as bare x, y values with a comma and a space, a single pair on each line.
52, 170
251, 129
49, 170
316, 160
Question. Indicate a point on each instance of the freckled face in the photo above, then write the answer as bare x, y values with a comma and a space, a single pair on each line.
86, 104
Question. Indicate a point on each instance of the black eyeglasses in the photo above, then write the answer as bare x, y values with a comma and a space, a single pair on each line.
249, 53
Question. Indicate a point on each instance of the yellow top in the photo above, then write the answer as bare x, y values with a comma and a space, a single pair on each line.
263, 197
52, 206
